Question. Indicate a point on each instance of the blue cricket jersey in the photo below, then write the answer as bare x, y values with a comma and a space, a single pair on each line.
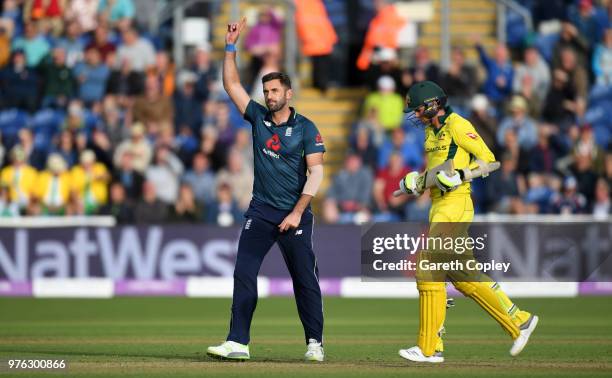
279, 153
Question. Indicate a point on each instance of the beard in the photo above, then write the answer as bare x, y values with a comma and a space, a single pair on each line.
275, 106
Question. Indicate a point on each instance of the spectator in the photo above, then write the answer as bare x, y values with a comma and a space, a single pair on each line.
186, 209
73, 43
118, 12
65, 147
137, 146
577, 74
570, 38
85, 13
602, 60
586, 21
152, 108
101, 42
223, 211
89, 181
32, 44
534, 68
585, 177
5, 45
461, 80
543, 155
498, 84
164, 175
128, 177
363, 146
409, 149
59, 80
388, 104
164, 70
8, 208
53, 186
539, 196
118, 205
504, 188
562, 101
149, 209
418, 210
424, 68
350, 192
188, 109
124, 83
92, 76
385, 63
138, 51
47, 13
382, 32
226, 134
524, 127
241, 178
317, 38
483, 120
570, 201
201, 179
75, 119
19, 177
205, 70
35, 156
602, 206
209, 147
390, 208
263, 37
244, 145
19, 84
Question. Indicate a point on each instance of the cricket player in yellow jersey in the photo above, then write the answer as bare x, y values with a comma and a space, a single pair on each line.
450, 136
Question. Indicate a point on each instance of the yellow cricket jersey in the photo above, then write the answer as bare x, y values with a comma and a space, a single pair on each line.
457, 140
21, 181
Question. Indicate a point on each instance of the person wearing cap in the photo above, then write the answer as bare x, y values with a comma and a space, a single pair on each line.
204, 69
448, 136
89, 181
53, 186
188, 108
519, 121
387, 103
384, 63
19, 177
138, 147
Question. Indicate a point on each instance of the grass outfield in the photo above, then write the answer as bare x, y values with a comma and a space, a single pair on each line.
168, 337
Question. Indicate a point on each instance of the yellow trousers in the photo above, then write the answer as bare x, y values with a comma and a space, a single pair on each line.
446, 210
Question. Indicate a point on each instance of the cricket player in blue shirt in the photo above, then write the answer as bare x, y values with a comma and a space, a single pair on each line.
286, 145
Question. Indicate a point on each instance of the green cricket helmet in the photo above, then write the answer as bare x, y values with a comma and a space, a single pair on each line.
427, 94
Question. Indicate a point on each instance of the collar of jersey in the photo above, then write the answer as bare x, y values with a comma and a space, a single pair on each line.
443, 119
290, 121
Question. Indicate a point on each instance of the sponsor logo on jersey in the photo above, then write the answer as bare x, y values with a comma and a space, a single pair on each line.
472, 135
289, 131
434, 149
273, 143
267, 123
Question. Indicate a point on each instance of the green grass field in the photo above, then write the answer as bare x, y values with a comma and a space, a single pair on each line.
168, 337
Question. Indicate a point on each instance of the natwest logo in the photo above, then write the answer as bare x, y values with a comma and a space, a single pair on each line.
273, 143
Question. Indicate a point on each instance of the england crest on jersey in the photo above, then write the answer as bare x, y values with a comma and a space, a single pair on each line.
289, 131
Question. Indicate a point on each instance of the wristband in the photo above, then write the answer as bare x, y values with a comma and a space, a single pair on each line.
230, 47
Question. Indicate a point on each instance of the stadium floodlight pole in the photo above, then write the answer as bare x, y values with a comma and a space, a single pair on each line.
445, 43
178, 15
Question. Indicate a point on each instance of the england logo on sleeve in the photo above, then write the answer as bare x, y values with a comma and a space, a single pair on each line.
318, 140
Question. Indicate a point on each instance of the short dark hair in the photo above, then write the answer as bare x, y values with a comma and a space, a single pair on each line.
283, 77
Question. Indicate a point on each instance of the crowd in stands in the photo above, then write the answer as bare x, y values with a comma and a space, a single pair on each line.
541, 105
96, 118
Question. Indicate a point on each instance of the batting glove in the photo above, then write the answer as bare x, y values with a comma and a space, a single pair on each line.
412, 183
446, 182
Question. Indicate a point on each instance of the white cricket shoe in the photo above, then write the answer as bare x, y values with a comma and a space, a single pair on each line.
229, 350
415, 354
314, 352
526, 330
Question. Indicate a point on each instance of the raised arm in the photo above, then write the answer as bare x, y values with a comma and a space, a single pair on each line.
231, 79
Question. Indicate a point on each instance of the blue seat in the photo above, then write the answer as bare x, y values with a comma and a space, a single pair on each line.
11, 121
